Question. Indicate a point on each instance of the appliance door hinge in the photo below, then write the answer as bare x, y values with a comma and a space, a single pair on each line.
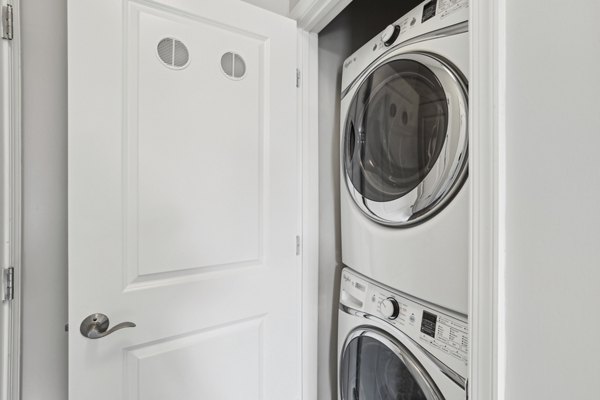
7, 22
9, 284
298, 75
298, 245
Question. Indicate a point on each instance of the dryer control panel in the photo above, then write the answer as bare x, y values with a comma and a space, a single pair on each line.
430, 16
441, 332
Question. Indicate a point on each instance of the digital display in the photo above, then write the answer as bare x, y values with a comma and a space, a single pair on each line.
429, 10
428, 323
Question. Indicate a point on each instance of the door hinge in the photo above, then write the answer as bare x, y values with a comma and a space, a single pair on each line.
9, 284
298, 245
7, 22
298, 75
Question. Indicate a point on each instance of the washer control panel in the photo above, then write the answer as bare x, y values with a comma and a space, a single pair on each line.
442, 333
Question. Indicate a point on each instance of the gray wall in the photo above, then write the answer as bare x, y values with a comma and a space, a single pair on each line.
357, 24
44, 34
552, 231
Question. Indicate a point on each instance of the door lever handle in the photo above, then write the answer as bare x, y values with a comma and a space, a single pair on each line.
95, 326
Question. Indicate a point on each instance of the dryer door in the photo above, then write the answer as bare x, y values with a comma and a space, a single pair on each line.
374, 366
405, 141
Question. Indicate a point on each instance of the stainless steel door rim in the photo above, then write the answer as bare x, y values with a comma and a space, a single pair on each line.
426, 386
383, 187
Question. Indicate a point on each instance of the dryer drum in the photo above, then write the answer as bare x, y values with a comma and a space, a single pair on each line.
405, 142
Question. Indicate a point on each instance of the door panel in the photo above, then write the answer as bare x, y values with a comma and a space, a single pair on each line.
227, 358
183, 201
175, 129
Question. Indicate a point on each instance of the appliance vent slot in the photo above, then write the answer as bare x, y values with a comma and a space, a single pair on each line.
173, 53
233, 65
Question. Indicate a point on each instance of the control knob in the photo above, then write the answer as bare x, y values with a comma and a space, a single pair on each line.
390, 308
390, 34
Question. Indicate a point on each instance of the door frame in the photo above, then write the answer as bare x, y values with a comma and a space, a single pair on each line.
308, 146
312, 16
488, 190
10, 310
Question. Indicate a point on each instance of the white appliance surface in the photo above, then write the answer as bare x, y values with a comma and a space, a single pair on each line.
435, 339
428, 260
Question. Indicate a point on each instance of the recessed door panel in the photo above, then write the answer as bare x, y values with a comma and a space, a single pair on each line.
194, 148
221, 363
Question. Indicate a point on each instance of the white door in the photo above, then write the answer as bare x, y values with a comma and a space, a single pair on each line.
183, 201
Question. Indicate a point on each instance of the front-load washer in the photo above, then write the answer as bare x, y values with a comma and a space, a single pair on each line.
392, 346
404, 147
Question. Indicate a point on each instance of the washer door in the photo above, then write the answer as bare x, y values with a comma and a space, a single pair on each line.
406, 138
374, 366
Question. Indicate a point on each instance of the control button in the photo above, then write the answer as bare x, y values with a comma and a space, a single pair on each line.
390, 308
412, 318
390, 34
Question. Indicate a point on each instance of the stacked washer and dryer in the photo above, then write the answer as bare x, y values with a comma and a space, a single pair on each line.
403, 330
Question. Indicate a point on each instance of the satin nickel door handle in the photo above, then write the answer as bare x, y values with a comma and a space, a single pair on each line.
95, 326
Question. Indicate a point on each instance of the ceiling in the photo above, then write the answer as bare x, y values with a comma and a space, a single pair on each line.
281, 7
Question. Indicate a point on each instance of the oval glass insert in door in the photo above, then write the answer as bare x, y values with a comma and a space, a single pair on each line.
405, 141
374, 367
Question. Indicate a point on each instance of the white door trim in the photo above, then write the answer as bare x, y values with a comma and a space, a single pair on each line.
314, 15
10, 311
487, 133
308, 135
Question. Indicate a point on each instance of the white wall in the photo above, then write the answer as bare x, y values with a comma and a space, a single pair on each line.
44, 34
552, 199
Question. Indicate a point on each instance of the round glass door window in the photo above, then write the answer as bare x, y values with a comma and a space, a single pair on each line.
374, 367
405, 140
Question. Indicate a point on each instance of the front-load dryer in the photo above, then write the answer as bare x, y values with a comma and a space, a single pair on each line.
404, 147
392, 346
